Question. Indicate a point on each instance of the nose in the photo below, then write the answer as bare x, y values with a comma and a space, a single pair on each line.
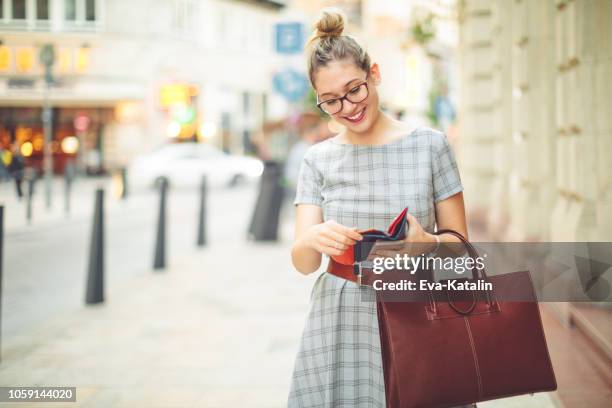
347, 107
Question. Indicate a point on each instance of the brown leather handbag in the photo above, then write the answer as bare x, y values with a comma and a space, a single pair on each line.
443, 353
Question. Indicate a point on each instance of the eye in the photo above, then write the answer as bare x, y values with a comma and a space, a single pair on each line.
355, 90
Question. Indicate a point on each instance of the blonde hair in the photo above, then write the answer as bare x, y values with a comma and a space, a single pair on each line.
328, 44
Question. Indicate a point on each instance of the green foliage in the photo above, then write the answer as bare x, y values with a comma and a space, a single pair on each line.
310, 103
423, 29
431, 111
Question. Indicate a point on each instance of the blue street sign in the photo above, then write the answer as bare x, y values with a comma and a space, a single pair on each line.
290, 83
289, 38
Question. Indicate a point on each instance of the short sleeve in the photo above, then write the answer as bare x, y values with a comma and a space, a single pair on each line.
309, 182
445, 174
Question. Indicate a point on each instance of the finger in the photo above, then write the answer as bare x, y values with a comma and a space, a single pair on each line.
327, 250
353, 233
350, 232
412, 220
331, 251
336, 236
327, 242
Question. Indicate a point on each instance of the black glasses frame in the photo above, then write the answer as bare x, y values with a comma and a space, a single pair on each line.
346, 96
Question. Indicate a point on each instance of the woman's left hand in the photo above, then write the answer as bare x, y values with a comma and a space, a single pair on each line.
417, 242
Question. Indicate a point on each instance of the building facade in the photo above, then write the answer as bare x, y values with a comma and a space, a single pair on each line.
127, 75
535, 151
536, 134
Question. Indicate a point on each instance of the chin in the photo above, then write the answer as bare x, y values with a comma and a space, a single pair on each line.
361, 127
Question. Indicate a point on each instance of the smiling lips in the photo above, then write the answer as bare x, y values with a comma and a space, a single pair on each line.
356, 118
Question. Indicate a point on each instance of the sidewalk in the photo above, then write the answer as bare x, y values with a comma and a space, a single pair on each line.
219, 328
82, 200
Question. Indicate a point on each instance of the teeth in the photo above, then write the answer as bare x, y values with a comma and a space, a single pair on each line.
356, 116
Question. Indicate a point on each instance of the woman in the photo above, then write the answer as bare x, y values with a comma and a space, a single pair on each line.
361, 178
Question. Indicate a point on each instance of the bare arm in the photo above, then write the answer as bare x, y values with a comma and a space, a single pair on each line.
450, 214
306, 260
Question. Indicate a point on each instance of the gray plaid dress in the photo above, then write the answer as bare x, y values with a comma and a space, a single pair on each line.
339, 361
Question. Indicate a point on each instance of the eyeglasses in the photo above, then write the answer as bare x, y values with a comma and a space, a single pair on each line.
357, 94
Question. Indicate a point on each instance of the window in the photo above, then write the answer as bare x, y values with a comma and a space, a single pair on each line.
36, 15
81, 11
90, 10
185, 15
222, 29
26, 15
42, 9
19, 9
70, 10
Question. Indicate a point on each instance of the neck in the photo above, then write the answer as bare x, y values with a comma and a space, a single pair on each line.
377, 134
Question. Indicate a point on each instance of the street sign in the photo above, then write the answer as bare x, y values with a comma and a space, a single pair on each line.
289, 38
290, 83
81, 122
177, 94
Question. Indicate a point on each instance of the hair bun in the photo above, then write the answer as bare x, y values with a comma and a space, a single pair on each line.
330, 23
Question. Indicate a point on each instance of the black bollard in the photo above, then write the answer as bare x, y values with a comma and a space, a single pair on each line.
67, 188
30, 196
69, 174
1, 263
124, 183
265, 219
160, 241
202, 214
95, 274
67, 196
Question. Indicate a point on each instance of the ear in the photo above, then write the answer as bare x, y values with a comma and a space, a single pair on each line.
375, 73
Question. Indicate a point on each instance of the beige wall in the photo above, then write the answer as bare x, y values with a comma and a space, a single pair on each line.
536, 127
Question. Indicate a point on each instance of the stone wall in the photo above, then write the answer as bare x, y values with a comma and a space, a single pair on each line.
536, 122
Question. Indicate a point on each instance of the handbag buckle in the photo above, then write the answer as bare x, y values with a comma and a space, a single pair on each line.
358, 269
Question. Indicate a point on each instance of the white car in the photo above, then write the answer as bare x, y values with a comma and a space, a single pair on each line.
184, 164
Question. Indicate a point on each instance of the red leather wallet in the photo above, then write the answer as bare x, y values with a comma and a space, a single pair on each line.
397, 231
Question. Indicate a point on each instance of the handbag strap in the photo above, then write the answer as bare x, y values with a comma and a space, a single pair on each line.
473, 253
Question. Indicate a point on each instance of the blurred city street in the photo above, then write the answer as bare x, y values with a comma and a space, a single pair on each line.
133, 97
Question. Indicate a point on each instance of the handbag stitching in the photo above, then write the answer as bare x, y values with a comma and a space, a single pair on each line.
467, 325
457, 316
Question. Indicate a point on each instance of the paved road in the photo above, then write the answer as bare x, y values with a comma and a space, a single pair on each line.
45, 266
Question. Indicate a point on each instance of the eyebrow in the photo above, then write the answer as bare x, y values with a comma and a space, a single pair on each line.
345, 85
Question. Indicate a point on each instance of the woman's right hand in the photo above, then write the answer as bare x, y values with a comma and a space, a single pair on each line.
331, 238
